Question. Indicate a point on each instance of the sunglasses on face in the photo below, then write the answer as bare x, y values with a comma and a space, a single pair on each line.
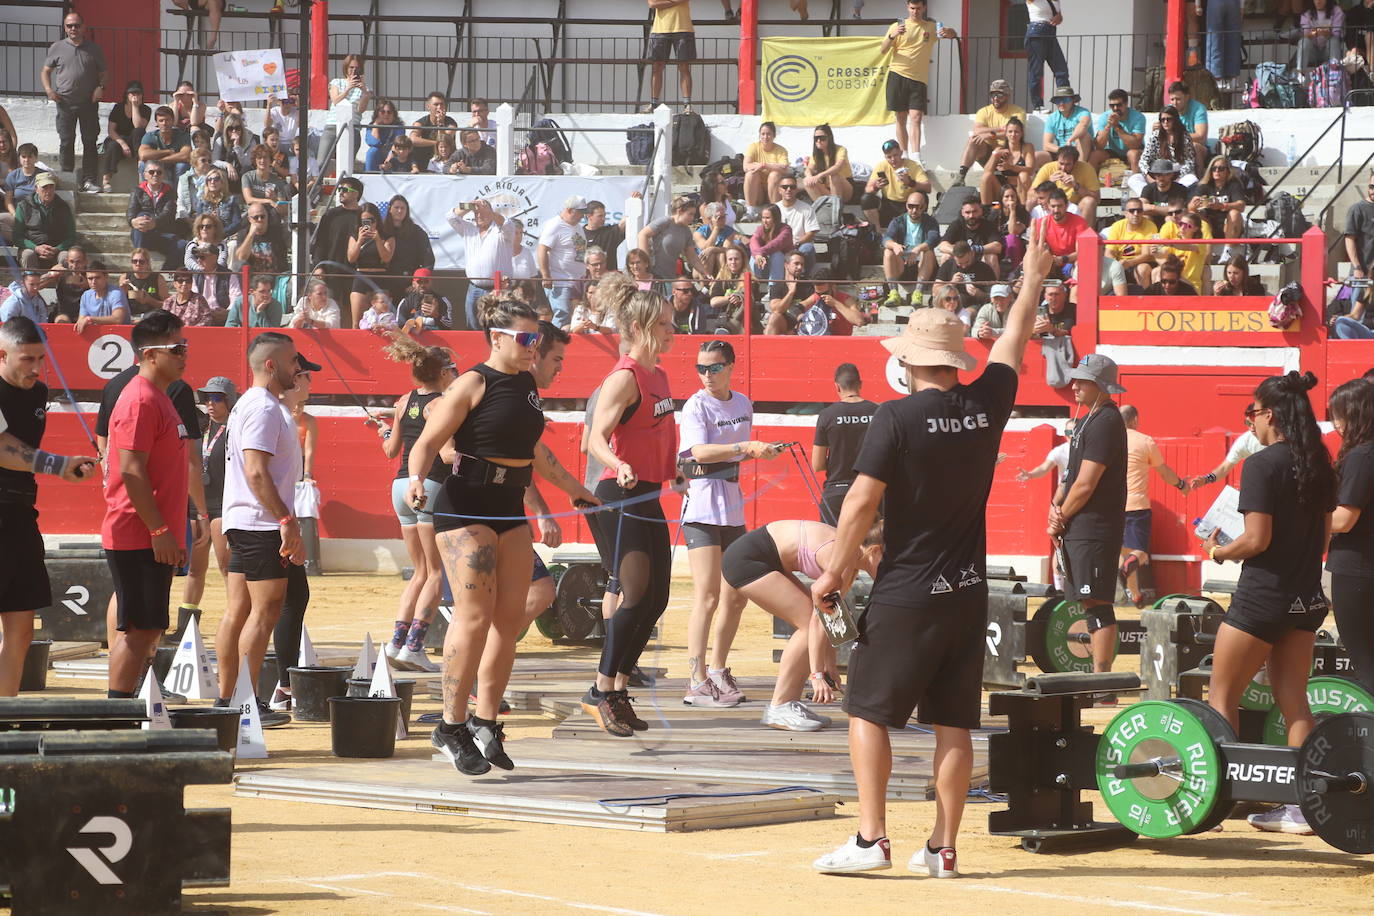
820, 137
787, 187
181, 279
1134, 210
212, 398
138, 260
178, 349
1252, 411
524, 339
915, 206
1221, 168
213, 178
152, 172
711, 368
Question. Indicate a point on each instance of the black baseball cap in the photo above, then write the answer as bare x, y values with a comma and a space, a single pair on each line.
305, 364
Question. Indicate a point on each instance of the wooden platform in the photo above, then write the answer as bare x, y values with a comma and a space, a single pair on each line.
911, 774
576, 799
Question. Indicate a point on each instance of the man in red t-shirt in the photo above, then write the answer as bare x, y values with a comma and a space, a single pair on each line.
146, 488
1062, 229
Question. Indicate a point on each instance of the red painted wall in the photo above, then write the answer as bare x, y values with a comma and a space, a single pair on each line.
129, 32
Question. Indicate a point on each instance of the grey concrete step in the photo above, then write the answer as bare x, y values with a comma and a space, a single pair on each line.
114, 202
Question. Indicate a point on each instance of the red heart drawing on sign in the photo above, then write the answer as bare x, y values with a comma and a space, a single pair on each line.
269, 68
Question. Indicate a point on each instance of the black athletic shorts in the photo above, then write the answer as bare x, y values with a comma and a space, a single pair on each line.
461, 504
888, 210
1137, 536
1092, 570
142, 586
750, 558
832, 501
700, 534
1271, 620
905, 94
681, 45
929, 660
540, 570
256, 554
23, 577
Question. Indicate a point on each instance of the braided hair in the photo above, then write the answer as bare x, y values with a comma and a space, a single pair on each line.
1286, 396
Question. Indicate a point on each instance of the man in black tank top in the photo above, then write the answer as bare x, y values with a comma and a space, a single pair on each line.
840, 431
23, 419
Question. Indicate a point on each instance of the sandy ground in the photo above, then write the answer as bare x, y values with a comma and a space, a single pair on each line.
305, 858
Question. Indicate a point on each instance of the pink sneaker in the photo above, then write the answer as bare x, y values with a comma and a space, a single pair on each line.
705, 693
726, 686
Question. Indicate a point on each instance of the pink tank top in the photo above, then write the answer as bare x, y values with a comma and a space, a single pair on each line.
806, 557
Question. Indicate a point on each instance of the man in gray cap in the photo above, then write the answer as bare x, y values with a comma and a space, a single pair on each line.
1163, 184
992, 317
990, 128
920, 647
561, 257
1088, 513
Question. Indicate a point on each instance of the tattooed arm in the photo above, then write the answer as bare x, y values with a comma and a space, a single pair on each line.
546, 463
16, 456
445, 416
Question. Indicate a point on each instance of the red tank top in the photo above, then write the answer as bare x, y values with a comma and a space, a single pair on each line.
647, 441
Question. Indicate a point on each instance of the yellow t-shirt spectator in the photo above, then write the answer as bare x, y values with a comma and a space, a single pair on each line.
675, 18
1121, 231
911, 51
896, 191
1084, 174
988, 116
1194, 257
842, 157
756, 153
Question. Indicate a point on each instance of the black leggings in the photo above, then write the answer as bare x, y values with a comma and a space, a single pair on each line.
286, 638
643, 572
1352, 597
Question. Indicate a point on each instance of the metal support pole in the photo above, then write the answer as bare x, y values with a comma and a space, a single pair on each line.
304, 65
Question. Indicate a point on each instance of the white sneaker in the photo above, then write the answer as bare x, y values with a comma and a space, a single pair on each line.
791, 716
942, 864
416, 659
281, 699
1283, 819
815, 716
852, 857
391, 649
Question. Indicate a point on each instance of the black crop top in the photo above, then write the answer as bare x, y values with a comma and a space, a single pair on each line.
507, 422
412, 424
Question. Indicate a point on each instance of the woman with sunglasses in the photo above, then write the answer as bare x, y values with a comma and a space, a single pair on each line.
216, 199
712, 441
727, 293
380, 135
206, 230
1351, 557
761, 567
493, 416
145, 288
432, 370
233, 146
1220, 199
827, 168
632, 434
1287, 492
1194, 258
1168, 139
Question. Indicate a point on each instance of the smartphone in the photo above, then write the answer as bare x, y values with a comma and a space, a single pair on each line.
368, 223
467, 206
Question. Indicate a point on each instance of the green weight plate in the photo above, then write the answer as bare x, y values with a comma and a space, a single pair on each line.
548, 624
1182, 797
1258, 694
1327, 696
1159, 602
1220, 730
1061, 621
556, 570
1339, 746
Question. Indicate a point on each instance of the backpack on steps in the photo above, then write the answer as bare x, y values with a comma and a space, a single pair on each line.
547, 131
639, 144
828, 210
1327, 86
691, 139
1272, 87
537, 159
1202, 86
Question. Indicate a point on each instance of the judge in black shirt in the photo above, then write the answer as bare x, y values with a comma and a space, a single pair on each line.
1088, 514
24, 586
840, 431
921, 641
1351, 558
1286, 494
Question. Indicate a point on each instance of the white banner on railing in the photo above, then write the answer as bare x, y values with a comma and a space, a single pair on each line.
250, 76
529, 198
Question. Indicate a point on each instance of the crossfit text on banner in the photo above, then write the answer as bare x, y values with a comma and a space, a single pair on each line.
247, 76
835, 81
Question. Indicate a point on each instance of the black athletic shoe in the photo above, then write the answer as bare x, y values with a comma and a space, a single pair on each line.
271, 718
604, 710
490, 741
458, 746
640, 678
624, 711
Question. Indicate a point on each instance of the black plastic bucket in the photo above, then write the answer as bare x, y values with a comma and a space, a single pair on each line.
311, 688
267, 677
405, 691
363, 726
162, 663
35, 673
223, 720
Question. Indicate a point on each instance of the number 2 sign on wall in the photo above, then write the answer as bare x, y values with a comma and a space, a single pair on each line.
109, 355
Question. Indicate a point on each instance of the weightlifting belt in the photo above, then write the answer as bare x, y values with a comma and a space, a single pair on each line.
709, 470
481, 472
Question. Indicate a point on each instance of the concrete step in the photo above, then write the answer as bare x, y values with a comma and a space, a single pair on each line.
114, 202
108, 244
104, 222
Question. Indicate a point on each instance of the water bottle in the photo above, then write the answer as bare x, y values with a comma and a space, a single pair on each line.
1292, 149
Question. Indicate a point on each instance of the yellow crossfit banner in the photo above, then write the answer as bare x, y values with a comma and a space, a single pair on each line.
837, 81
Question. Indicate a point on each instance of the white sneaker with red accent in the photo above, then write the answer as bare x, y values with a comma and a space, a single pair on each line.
852, 857
940, 864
